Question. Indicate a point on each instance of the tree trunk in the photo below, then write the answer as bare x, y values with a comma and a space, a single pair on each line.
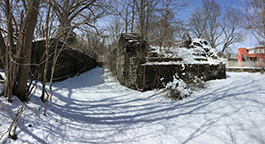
2, 49
142, 18
165, 25
133, 15
30, 23
8, 53
46, 54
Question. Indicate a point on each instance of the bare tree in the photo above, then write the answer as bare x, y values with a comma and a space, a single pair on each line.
127, 11
169, 10
206, 23
197, 23
133, 15
24, 44
232, 22
213, 31
142, 14
124, 9
255, 18
17, 62
72, 14
47, 33
144, 9
220, 29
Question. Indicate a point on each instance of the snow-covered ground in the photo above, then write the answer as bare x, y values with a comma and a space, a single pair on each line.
94, 108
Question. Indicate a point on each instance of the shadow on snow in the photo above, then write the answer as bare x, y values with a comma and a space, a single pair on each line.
123, 109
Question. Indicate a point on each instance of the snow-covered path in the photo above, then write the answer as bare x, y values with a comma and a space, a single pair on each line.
94, 108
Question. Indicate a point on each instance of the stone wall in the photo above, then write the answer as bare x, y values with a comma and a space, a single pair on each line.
70, 62
147, 77
134, 70
130, 45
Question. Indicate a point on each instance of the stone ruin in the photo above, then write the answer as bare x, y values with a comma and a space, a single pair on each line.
130, 46
141, 67
70, 62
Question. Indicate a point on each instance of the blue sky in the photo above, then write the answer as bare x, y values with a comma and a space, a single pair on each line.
224, 3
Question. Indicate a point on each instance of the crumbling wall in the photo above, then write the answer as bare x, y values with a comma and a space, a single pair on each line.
148, 77
139, 68
130, 45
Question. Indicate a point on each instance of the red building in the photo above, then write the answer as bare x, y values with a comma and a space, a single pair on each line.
255, 54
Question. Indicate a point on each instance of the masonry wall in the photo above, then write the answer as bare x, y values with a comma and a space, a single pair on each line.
130, 45
147, 77
134, 72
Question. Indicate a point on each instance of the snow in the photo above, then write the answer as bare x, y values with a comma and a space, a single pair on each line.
254, 47
133, 41
179, 63
179, 86
189, 55
95, 108
234, 67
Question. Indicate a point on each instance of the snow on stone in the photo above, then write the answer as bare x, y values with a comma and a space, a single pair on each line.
189, 54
